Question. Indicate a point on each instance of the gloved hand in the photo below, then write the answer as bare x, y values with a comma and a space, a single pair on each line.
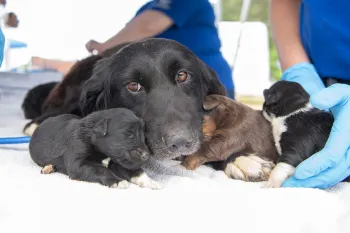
305, 74
332, 164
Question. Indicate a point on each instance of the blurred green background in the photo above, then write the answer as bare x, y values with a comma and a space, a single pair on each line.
259, 11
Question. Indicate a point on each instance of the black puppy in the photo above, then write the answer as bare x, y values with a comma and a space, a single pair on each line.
35, 98
83, 148
299, 130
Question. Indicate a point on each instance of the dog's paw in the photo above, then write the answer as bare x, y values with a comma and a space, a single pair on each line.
30, 128
124, 184
279, 174
144, 181
249, 168
48, 169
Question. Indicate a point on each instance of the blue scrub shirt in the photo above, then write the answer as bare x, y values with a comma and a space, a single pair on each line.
194, 27
2, 45
325, 34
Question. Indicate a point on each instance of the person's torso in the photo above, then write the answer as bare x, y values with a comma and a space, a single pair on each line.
199, 33
325, 34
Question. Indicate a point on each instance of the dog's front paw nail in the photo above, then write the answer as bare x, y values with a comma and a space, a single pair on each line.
123, 184
48, 169
145, 182
29, 130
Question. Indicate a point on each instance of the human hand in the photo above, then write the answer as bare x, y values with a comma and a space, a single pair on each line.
331, 165
93, 45
306, 75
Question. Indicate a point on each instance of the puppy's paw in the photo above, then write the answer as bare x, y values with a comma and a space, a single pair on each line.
249, 168
124, 184
144, 181
279, 174
48, 169
121, 185
30, 128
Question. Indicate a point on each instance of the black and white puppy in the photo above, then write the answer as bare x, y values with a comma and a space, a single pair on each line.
106, 147
299, 130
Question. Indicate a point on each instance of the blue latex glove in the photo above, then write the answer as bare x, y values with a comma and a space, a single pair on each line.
332, 164
305, 74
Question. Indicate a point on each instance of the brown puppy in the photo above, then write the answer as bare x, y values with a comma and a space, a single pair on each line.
234, 129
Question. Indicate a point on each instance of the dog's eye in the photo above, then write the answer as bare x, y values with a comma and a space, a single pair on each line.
182, 76
134, 86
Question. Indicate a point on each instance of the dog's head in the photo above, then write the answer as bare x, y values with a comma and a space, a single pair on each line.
161, 81
283, 98
119, 134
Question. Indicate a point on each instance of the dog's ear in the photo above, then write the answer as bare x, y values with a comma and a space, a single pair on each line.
211, 82
95, 92
101, 128
210, 103
269, 96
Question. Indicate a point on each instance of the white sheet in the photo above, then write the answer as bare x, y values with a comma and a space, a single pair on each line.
31, 202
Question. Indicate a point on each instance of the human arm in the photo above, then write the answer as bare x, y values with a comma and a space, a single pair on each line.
296, 66
147, 24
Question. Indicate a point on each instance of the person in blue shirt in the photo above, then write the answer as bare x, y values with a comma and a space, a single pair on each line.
191, 23
313, 43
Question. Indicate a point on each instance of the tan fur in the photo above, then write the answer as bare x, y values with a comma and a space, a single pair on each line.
48, 169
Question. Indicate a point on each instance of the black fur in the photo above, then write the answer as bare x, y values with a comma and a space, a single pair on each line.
76, 146
35, 98
307, 132
64, 97
172, 110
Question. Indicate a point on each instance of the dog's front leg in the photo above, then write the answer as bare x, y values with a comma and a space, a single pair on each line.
138, 177
96, 173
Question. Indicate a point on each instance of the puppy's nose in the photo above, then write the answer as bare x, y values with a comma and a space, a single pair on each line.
178, 142
144, 156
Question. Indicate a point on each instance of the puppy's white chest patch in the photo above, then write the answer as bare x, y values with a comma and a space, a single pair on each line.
278, 128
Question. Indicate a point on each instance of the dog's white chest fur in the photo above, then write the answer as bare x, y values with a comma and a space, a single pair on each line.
279, 125
278, 128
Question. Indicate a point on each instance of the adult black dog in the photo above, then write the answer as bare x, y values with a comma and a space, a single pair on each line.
79, 147
161, 81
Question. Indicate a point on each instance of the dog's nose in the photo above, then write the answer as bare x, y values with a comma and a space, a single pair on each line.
178, 142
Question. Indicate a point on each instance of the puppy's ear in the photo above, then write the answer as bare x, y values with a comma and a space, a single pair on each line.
101, 128
270, 96
211, 82
210, 103
95, 92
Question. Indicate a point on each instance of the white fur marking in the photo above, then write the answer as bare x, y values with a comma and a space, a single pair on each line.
106, 161
30, 130
123, 184
267, 116
144, 181
279, 174
279, 125
249, 168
